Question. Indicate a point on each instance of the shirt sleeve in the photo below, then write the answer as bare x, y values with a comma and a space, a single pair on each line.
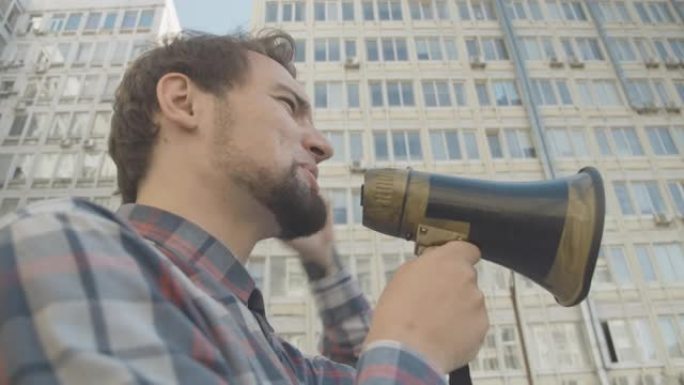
345, 313
76, 308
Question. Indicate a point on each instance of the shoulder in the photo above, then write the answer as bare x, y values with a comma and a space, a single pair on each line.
65, 223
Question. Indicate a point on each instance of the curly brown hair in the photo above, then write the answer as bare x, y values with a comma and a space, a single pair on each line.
214, 63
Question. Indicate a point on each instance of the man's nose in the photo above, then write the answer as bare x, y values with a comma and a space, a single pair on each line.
317, 144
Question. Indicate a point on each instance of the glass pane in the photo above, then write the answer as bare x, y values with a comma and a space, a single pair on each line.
380, 146
437, 146
399, 146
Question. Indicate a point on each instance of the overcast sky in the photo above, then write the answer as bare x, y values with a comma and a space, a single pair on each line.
215, 16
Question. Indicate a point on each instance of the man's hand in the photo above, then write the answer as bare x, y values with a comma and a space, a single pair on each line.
433, 305
317, 251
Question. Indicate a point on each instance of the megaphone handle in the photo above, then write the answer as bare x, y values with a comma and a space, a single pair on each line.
460, 376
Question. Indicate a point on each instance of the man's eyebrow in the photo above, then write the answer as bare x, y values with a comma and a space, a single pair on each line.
303, 103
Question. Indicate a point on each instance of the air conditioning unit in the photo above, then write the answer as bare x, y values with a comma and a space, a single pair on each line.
662, 219
645, 108
652, 62
478, 62
352, 63
671, 63
89, 144
672, 108
357, 166
554, 62
17, 63
65, 143
40, 31
575, 62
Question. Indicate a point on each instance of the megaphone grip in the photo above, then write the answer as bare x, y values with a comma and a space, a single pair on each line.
460, 376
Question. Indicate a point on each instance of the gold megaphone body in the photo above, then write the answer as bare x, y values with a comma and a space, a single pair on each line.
548, 231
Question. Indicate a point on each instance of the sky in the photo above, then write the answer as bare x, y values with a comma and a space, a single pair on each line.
214, 16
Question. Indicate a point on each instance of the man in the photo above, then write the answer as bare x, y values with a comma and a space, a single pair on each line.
216, 150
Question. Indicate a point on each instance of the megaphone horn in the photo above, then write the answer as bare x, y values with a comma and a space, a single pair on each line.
548, 231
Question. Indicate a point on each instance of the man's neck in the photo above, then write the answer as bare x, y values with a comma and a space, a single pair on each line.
233, 218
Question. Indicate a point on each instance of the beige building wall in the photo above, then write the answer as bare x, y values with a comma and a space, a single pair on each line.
569, 85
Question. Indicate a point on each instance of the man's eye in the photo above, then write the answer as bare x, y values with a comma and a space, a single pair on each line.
290, 104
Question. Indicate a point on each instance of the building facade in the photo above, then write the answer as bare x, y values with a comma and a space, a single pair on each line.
507, 90
59, 67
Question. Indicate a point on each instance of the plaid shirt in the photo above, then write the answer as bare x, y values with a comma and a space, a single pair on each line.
146, 297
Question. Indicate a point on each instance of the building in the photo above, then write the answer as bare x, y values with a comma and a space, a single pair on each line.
508, 90
60, 63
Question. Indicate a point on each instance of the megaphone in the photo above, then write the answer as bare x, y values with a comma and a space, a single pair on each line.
548, 231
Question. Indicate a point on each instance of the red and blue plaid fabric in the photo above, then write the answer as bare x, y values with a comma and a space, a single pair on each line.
146, 297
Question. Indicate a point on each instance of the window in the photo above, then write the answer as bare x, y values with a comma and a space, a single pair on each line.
110, 87
350, 49
129, 20
271, 11
669, 258
500, 350
609, 11
368, 11
560, 346
476, 10
436, 93
598, 93
89, 90
566, 10
397, 146
392, 49
353, 95
646, 197
326, 10
90, 163
661, 141
119, 55
489, 48
328, 95
453, 145
518, 144
645, 264
110, 21
426, 10
623, 49
73, 22
293, 11
100, 126
49, 89
567, 143
428, 48
300, 50
57, 22
327, 49
506, 93
93, 21
624, 141
348, 146
619, 337
618, 265
72, 88
338, 201
99, 53
589, 48
459, 93
677, 194
398, 93
83, 53
389, 10
146, 19
348, 11
657, 12
550, 92
669, 333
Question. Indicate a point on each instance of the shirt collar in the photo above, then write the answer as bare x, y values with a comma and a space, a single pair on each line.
201, 256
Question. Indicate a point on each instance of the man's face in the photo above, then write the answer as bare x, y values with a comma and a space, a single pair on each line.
264, 142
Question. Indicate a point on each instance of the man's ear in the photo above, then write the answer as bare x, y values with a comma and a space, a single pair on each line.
176, 94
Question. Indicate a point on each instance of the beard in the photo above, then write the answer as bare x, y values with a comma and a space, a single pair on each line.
298, 211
